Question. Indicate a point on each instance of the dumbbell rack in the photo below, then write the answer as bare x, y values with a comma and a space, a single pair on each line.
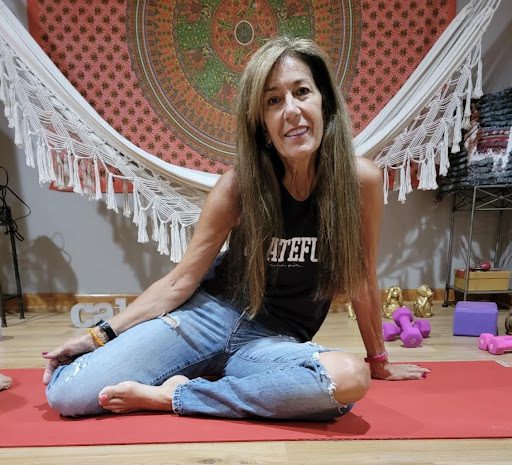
475, 199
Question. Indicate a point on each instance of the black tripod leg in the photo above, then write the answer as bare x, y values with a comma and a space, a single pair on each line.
17, 276
2, 308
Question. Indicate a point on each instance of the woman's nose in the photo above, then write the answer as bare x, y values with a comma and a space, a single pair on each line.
291, 108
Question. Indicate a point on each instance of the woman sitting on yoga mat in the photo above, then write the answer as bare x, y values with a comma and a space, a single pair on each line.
230, 335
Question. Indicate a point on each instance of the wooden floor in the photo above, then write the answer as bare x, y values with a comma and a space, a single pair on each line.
24, 340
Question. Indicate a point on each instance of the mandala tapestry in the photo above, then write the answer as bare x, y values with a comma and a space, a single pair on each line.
164, 73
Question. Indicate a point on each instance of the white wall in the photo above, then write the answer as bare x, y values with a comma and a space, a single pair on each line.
73, 245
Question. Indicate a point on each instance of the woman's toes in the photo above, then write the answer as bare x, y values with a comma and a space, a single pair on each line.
119, 391
130, 396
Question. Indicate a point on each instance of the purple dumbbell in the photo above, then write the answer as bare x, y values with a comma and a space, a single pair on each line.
423, 326
498, 345
410, 335
390, 331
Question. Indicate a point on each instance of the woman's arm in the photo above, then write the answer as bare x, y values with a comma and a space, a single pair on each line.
219, 215
367, 306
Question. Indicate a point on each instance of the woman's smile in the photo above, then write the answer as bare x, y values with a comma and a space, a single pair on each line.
297, 132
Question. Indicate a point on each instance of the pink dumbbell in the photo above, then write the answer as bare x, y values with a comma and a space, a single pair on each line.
410, 335
498, 345
485, 339
391, 332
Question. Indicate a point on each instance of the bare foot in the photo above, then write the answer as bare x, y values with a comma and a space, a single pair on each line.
130, 396
5, 382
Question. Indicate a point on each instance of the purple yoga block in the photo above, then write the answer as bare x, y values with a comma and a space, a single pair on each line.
475, 318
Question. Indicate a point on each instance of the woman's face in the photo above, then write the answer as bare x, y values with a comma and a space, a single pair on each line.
292, 111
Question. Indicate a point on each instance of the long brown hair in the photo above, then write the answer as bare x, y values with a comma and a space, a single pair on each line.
258, 172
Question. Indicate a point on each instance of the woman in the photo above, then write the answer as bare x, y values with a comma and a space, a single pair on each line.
303, 218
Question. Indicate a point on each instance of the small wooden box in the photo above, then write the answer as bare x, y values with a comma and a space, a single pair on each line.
492, 280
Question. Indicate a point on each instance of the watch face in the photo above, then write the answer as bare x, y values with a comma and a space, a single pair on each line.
108, 330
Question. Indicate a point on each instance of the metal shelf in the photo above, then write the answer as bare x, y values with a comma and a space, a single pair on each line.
475, 199
459, 289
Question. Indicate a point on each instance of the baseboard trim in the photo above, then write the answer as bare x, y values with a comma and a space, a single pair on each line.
408, 296
63, 302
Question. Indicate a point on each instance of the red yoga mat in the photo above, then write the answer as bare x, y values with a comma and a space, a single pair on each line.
456, 400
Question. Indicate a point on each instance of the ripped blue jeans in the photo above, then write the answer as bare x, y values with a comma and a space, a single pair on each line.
257, 372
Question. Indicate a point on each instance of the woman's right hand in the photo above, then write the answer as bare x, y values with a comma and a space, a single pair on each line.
66, 353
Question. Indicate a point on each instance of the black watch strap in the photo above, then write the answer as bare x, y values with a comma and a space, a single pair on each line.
107, 329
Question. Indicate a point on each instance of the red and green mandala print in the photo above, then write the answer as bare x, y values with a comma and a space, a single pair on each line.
164, 73
188, 56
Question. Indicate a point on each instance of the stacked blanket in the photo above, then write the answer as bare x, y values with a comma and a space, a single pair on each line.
486, 155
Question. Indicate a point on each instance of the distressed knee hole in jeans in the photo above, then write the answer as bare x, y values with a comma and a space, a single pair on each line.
331, 385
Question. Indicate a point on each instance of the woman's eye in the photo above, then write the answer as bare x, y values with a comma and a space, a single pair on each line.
302, 91
272, 101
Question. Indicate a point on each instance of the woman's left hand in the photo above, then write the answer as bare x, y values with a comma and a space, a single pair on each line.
397, 371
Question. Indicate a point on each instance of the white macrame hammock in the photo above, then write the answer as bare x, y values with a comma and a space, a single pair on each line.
72, 146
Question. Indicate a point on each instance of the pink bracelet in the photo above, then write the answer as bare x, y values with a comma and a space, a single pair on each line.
377, 358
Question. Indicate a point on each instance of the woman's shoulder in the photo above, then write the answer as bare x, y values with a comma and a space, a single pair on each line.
368, 172
221, 209
224, 198
227, 184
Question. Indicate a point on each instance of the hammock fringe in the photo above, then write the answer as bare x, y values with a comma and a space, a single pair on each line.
75, 155
438, 94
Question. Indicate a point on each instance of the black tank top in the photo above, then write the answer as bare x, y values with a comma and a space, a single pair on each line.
289, 306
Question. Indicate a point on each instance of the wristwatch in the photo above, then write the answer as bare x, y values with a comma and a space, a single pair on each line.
107, 329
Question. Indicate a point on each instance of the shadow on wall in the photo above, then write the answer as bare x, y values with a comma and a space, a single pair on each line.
412, 242
44, 264
143, 259
415, 251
